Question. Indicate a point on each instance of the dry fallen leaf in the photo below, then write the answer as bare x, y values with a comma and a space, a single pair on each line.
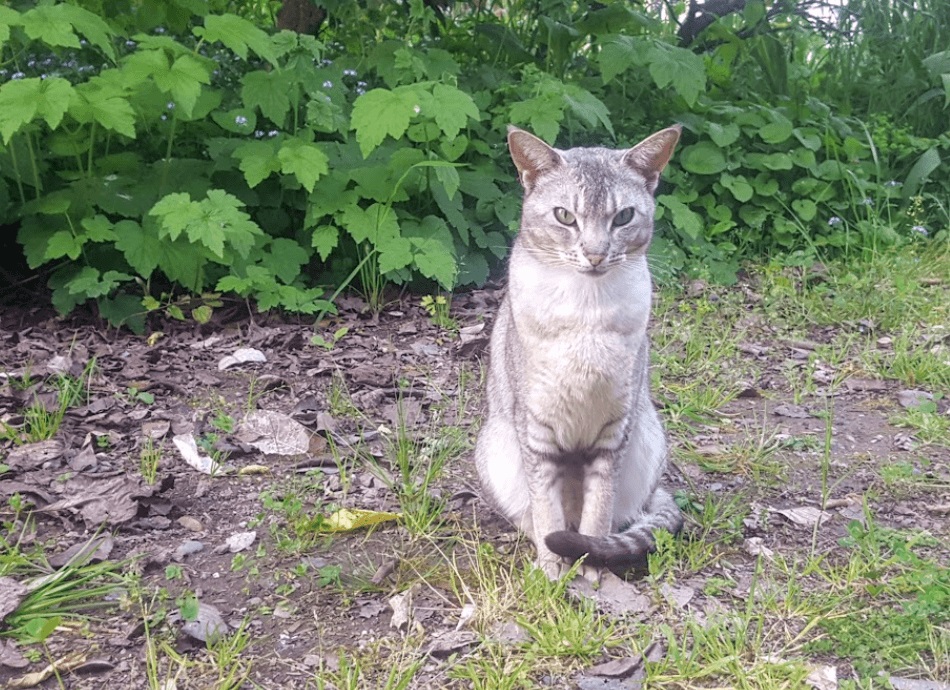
823, 678
240, 356
29, 456
189, 452
401, 604
12, 593
346, 519
274, 433
60, 666
806, 516
208, 626
240, 541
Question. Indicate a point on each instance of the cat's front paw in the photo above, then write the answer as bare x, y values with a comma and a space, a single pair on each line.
590, 573
552, 566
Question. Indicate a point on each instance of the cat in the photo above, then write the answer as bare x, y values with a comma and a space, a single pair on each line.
572, 450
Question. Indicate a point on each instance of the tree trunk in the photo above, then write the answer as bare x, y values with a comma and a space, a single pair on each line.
301, 16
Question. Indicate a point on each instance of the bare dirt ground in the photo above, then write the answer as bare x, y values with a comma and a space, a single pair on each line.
785, 468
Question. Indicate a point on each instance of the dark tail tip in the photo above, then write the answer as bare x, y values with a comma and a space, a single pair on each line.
596, 552
569, 544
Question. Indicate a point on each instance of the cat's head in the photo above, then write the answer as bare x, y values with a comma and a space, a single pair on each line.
589, 208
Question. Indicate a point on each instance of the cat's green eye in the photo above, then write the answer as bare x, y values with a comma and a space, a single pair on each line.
564, 216
624, 216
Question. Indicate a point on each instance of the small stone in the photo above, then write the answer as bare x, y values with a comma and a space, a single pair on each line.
190, 523
187, 548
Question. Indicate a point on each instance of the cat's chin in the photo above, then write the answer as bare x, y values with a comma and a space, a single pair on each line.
593, 271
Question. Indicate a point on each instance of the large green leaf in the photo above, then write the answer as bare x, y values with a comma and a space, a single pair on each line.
704, 158
453, 108
23, 100
303, 160
238, 34
379, 113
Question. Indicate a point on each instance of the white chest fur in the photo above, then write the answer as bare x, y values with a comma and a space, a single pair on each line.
580, 339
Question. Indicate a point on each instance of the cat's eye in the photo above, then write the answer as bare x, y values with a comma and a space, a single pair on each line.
564, 216
624, 216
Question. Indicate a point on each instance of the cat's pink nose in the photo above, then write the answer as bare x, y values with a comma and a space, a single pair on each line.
595, 259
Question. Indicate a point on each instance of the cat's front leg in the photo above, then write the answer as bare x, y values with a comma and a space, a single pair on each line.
598, 510
545, 486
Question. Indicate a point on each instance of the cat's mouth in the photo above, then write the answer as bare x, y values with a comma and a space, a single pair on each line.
594, 271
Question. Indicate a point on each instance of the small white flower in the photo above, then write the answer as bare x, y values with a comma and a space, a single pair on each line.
920, 230
258, 134
892, 183
240, 120
416, 109
170, 105
868, 201
328, 84
349, 73
834, 220
273, 133
17, 75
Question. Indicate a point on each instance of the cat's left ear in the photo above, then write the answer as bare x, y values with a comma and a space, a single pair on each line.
651, 155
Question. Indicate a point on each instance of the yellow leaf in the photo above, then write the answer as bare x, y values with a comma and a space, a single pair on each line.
346, 519
254, 469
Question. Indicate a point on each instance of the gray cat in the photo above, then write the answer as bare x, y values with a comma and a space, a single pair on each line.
572, 450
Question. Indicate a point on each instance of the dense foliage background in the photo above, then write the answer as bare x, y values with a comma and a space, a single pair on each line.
156, 154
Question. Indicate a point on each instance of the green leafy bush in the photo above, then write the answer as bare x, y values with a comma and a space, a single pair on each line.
171, 154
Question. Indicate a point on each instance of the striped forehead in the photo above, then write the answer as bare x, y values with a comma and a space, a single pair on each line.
594, 173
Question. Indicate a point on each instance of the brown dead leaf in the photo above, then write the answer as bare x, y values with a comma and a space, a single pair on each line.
10, 655
60, 666
101, 501
274, 433
12, 593
617, 668
29, 456
94, 550
805, 516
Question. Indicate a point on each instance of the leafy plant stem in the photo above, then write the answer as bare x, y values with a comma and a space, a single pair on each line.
92, 146
37, 185
16, 170
168, 152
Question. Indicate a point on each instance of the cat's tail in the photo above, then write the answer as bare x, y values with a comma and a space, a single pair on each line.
624, 549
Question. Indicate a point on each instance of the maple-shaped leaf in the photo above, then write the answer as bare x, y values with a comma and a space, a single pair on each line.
285, 258
104, 103
542, 113
183, 80
394, 253
433, 250
304, 160
258, 159
23, 100
238, 34
269, 91
62, 243
377, 221
98, 228
90, 25
452, 109
140, 246
48, 24
680, 67
381, 112
325, 239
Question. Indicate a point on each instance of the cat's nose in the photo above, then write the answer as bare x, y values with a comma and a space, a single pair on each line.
595, 259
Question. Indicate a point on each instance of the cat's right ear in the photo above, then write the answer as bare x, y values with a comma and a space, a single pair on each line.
531, 156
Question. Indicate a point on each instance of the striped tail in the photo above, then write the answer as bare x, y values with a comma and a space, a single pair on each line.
624, 549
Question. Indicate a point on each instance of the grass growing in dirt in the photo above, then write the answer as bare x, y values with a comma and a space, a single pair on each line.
816, 492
